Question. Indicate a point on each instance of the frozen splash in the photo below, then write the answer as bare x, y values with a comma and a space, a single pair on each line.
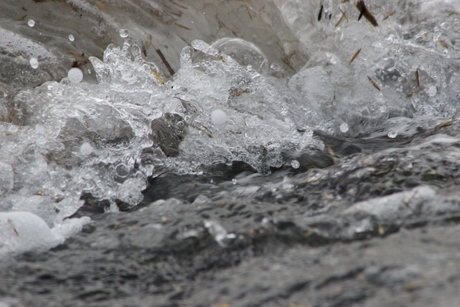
228, 101
67, 138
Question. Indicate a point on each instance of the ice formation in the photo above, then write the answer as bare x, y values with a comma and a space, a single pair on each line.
22, 231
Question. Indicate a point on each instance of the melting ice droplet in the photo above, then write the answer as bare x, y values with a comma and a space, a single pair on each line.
33, 63
123, 33
31, 23
75, 75
218, 117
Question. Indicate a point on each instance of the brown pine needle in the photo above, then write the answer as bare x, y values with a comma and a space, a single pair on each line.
373, 83
354, 56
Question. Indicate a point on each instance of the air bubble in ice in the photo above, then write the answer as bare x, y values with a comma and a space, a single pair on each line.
392, 134
218, 117
295, 164
123, 33
33, 63
122, 171
245, 53
75, 75
344, 127
86, 149
71, 37
31, 23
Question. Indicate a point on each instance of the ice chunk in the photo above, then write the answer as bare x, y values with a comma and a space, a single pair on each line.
219, 233
75, 75
25, 231
70, 227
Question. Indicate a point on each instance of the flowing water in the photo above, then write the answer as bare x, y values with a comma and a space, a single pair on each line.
98, 96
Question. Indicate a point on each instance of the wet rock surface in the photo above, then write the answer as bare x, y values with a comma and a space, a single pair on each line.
377, 228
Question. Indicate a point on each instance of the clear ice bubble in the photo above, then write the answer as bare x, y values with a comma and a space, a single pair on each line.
344, 127
71, 37
392, 134
245, 53
123, 33
218, 117
33, 63
31, 23
122, 170
295, 164
75, 75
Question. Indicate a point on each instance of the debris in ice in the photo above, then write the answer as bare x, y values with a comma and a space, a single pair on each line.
295, 164
366, 13
24, 231
75, 75
218, 117
392, 134
218, 232
354, 56
71, 37
33, 63
123, 33
344, 127
31, 23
